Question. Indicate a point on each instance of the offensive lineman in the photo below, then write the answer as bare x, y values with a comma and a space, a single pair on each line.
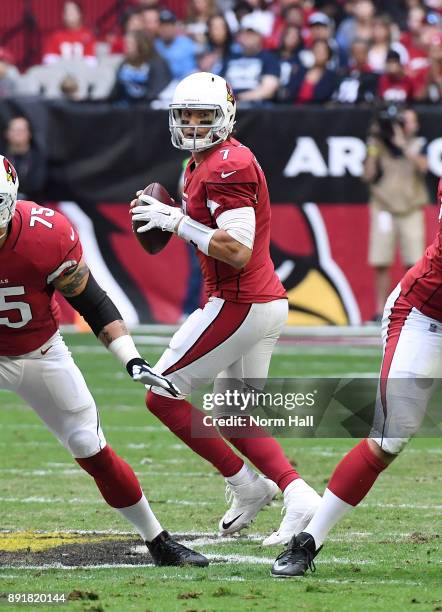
41, 252
226, 216
410, 371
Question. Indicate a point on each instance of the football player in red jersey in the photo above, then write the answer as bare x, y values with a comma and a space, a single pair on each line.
226, 216
410, 372
40, 252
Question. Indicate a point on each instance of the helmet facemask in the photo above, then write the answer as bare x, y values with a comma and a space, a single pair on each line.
219, 127
8, 193
7, 209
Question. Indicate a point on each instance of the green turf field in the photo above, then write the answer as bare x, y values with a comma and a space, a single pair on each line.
385, 556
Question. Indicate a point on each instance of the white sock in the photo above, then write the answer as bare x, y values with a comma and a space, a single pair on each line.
296, 485
143, 519
331, 509
244, 476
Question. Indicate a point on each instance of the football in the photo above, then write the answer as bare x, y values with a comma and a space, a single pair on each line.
155, 239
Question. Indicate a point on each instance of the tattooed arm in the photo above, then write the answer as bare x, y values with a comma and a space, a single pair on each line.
87, 297
80, 289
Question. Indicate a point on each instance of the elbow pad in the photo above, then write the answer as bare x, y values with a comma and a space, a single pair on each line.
95, 306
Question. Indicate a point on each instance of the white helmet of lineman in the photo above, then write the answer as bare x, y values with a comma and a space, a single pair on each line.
202, 91
8, 191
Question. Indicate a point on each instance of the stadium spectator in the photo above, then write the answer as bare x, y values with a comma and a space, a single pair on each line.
315, 84
290, 55
178, 50
289, 14
73, 41
357, 83
253, 73
143, 74
381, 44
132, 20
359, 24
26, 158
411, 39
395, 170
150, 17
431, 29
198, 14
219, 45
321, 28
234, 15
70, 88
395, 85
9, 74
428, 80
261, 17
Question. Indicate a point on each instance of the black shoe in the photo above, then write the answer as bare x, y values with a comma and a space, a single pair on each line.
297, 558
166, 551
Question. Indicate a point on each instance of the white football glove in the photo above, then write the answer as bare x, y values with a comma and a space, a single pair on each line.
156, 214
140, 371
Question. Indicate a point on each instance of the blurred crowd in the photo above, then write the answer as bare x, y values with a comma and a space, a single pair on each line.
271, 51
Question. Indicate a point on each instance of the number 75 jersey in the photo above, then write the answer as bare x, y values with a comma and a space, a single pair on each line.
41, 246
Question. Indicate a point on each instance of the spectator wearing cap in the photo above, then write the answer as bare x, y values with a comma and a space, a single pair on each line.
253, 73
178, 50
359, 24
321, 28
382, 42
314, 84
357, 82
73, 41
394, 84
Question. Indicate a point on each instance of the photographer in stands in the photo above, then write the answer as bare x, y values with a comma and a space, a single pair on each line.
395, 169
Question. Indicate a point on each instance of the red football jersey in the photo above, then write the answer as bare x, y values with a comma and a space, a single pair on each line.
41, 246
422, 284
228, 178
70, 44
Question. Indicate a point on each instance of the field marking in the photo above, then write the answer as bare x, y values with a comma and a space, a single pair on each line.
211, 537
78, 472
188, 502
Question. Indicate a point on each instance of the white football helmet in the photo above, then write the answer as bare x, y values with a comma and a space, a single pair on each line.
8, 191
202, 91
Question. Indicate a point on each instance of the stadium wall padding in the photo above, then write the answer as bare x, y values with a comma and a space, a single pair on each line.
99, 155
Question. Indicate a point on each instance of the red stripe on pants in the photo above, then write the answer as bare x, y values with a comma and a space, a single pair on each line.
399, 314
226, 323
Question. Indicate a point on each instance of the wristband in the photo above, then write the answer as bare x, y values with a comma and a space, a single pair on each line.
124, 349
196, 233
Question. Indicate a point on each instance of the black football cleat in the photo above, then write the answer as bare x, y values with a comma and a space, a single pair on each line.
166, 551
297, 558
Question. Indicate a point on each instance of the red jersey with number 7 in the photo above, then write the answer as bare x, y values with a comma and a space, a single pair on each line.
227, 179
41, 246
422, 284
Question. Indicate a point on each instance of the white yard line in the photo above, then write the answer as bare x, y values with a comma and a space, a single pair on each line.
188, 502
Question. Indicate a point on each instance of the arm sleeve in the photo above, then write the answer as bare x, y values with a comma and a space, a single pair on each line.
239, 223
